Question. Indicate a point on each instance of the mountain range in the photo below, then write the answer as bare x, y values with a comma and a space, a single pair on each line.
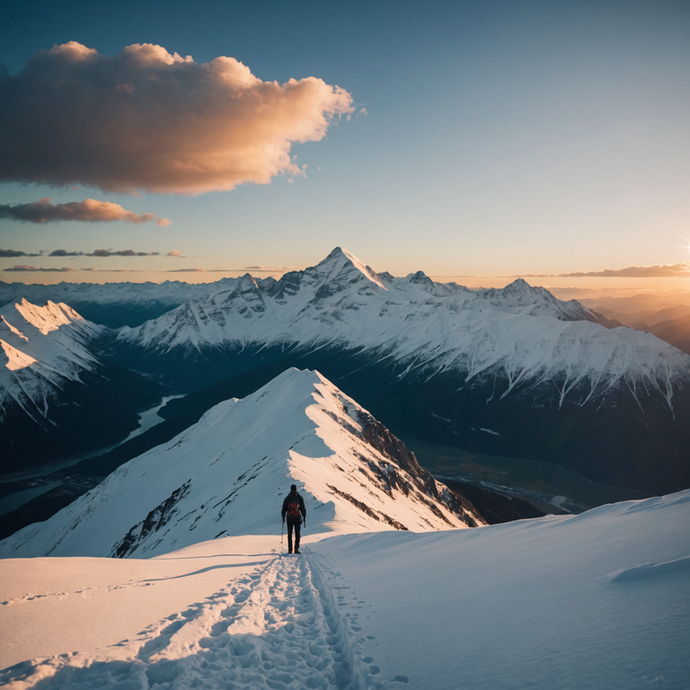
110, 304
512, 372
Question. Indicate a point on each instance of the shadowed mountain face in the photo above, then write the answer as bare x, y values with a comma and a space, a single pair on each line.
507, 372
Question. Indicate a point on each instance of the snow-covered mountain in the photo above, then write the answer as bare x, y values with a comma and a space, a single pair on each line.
42, 347
513, 371
53, 389
430, 327
342, 301
228, 474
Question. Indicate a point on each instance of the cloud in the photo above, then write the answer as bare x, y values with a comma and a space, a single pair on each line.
13, 254
186, 270
681, 270
22, 269
665, 271
125, 252
64, 252
268, 269
87, 211
149, 120
175, 253
112, 270
101, 253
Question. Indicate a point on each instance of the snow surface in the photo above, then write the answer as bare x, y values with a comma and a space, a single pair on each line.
227, 475
599, 600
523, 333
41, 347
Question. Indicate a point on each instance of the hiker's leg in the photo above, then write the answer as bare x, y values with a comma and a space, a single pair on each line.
289, 527
298, 526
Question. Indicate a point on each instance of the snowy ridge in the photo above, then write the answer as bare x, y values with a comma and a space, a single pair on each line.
521, 298
518, 333
41, 348
227, 475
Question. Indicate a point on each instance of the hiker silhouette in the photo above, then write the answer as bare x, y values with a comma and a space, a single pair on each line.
294, 511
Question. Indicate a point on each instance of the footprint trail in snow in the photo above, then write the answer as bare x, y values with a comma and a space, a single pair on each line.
280, 627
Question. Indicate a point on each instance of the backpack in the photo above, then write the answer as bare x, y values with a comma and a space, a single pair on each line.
293, 509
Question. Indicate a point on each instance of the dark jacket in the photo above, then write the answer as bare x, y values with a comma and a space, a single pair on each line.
294, 496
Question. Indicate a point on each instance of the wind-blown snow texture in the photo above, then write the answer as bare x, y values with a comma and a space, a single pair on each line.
600, 600
42, 347
227, 474
433, 327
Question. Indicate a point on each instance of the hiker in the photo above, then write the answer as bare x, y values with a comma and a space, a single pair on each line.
293, 508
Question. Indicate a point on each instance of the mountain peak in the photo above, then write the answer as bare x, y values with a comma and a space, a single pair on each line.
536, 300
339, 261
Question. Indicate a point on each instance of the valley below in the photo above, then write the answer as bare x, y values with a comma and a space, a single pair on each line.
546, 487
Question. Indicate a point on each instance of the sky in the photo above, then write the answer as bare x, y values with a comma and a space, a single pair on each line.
476, 141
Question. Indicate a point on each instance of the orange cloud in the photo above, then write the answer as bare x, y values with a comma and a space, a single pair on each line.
268, 269
149, 120
87, 211
31, 269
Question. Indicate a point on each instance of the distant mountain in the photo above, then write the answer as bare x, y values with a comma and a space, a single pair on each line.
637, 306
111, 304
57, 397
671, 324
227, 475
511, 372
674, 331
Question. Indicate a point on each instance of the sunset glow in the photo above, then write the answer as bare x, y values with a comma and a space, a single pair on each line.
474, 141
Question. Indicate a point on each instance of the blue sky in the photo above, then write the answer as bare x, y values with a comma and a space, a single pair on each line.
497, 139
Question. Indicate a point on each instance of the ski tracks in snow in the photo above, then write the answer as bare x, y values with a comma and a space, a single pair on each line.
279, 628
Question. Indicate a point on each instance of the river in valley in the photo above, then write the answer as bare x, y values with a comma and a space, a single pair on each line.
42, 484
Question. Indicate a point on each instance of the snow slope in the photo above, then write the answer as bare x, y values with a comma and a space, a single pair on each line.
600, 600
42, 347
227, 475
525, 334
